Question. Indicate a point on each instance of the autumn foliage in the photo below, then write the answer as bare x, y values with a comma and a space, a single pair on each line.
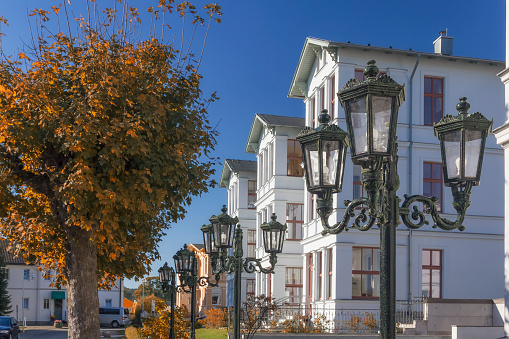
216, 318
158, 326
104, 140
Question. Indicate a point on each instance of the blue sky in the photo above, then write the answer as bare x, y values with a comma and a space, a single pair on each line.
250, 59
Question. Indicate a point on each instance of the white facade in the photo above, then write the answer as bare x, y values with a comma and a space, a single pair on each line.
33, 299
280, 191
323, 69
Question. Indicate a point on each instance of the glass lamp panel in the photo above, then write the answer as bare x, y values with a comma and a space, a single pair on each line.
472, 152
330, 159
207, 241
381, 126
312, 159
452, 153
359, 116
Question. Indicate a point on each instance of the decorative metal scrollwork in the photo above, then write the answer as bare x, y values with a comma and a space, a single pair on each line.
416, 218
251, 265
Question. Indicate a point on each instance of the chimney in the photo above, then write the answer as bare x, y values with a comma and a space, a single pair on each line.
443, 44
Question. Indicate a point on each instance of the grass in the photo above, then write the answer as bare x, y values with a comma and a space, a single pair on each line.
211, 333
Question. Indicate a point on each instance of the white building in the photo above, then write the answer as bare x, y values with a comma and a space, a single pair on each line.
279, 191
341, 270
32, 297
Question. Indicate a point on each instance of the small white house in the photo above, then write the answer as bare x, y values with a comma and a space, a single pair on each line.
35, 300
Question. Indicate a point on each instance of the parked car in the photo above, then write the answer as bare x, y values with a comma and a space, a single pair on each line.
9, 328
114, 316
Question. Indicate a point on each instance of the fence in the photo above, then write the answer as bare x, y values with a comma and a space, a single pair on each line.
329, 319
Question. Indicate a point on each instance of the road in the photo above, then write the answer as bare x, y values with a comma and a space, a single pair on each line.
49, 332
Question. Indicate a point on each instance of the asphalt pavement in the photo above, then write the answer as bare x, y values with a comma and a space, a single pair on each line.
49, 332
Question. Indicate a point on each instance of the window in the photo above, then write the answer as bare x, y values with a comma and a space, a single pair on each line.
359, 74
26, 303
294, 159
217, 296
294, 220
293, 284
332, 96
251, 194
358, 189
250, 286
310, 277
433, 100
45, 304
313, 115
322, 97
432, 182
320, 271
251, 243
26, 274
329, 292
365, 273
432, 273
5, 272
107, 303
47, 275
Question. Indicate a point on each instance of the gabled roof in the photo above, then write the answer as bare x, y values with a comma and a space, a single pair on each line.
269, 121
9, 257
313, 48
232, 165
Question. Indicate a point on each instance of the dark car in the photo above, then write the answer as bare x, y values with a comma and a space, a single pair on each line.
8, 327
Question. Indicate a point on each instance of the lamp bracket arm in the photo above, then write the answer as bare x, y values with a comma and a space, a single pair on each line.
252, 264
415, 219
363, 221
205, 281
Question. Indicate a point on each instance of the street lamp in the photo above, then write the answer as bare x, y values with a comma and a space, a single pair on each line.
371, 112
185, 264
218, 239
167, 279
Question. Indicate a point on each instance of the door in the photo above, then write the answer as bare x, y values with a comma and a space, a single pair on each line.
58, 309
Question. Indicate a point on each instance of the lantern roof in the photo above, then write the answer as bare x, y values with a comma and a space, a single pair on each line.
475, 121
375, 84
273, 224
323, 131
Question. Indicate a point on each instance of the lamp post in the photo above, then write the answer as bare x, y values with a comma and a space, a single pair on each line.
218, 239
371, 112
167, 279
185, 264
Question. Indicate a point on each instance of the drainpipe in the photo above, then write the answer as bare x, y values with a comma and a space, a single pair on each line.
410, 172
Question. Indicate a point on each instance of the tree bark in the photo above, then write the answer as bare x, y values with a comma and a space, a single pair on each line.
82, 285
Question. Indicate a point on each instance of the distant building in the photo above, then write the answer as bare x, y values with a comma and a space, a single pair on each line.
207, 297
33, 298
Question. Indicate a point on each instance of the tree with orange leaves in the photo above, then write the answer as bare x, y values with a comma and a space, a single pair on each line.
104, 140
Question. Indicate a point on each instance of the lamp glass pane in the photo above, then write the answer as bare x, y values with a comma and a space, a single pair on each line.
452, 153
472, 152
274, 243
359, 116
312, 159
225, 236
206, 242
381, 126
330, 158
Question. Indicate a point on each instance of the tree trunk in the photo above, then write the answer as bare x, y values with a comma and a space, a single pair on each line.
82, 285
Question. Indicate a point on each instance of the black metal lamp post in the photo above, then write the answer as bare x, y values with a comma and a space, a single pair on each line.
371, 111
167, 279
185, 264
218, 238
